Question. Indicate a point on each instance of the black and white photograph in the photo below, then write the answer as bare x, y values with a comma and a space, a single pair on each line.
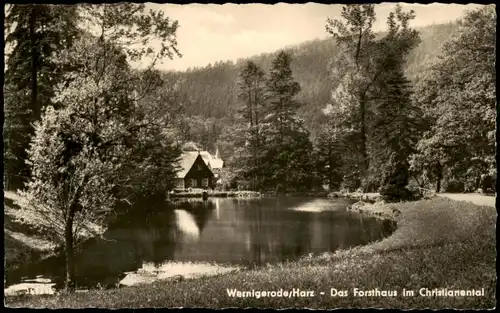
250, 155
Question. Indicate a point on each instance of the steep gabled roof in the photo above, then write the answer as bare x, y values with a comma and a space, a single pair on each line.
189, 157
206, 157
186, 162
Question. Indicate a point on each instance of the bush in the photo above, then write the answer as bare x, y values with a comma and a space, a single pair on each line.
470, 186
351, 182
488, 183
370, 185
416, 192
391, 193
454, 186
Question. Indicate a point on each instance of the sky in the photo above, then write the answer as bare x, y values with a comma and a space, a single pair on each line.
213, 32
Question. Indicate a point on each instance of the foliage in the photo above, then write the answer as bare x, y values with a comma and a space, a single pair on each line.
287, 162
269, 143
371, 108
252, 96
287, 145
65, 180
102, 128
129, 26
328, 158
454, 186
35, 35
190, 146
354, 69
396, 128
460, 104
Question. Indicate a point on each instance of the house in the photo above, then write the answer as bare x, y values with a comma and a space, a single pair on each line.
195, 172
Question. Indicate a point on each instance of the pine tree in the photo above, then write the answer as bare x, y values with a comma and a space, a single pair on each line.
251, 94
281, 92
288, 148
396, 131
396, 126
37, 34
328, 157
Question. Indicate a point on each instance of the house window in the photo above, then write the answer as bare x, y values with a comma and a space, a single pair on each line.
204, 182
194, 182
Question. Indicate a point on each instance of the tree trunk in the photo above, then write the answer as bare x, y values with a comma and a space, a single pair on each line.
69, 249
257, 141
478, 183
34, 65
362, 108
438, 185
439, 177
280, 116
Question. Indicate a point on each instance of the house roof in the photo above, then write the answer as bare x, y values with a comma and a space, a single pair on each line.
206, 156
188, 158
186, 162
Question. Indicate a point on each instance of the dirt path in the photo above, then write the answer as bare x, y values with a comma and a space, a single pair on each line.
471, 197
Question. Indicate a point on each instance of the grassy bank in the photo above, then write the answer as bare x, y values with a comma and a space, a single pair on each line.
439, 243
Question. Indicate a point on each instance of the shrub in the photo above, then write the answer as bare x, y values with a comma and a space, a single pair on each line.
470, 186
416, 192
370, 185
351, 182
454, 186
391, 193
488, 183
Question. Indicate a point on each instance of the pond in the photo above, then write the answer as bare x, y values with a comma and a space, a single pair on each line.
198, 237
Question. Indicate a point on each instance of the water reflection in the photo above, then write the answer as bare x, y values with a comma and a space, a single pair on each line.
150, 272
186, 224
161, 241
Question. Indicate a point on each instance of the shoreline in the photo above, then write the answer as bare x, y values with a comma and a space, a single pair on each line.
360, 196
215, 194
245, 194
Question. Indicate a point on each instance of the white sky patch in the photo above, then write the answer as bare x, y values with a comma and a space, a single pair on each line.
209, 32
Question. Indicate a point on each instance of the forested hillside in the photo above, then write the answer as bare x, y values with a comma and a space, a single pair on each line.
211, 91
